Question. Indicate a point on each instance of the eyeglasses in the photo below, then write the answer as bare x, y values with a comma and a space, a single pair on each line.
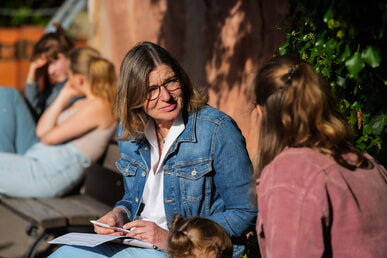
170, 84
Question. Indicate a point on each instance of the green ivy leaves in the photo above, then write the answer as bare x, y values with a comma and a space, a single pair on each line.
349, 54
372, 56
357, 61
354, 65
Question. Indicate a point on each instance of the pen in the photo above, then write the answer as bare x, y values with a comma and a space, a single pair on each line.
101, 224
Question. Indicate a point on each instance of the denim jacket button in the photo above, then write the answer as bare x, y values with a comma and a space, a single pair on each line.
194, 172
146, 148
143, 174
136, 199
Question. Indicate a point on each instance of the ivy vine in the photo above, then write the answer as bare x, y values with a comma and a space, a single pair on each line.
346, 42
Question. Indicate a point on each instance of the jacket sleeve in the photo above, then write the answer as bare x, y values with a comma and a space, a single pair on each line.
233, 175
32, 95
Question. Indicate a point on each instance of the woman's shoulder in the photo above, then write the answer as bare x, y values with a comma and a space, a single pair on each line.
98, 109
302, 157
210, 113
299, 163
295, 170
97, 105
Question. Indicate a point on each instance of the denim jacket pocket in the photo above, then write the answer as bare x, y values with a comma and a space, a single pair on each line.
128, 166
193, 179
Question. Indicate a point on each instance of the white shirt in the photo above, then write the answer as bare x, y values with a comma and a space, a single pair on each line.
153, 195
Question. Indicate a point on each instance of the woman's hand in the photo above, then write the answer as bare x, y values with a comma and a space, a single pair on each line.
113, 218
68, 92
149, 232
35, 65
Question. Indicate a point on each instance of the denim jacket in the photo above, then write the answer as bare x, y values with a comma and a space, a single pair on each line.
207, 172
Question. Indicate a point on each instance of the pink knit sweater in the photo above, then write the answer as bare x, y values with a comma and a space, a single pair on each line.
309, 206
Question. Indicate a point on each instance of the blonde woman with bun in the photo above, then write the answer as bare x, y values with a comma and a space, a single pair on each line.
68, 139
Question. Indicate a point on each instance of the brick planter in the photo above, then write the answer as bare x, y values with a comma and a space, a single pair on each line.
16, 45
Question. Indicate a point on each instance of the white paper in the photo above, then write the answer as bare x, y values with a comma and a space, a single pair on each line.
83, 239
92, 240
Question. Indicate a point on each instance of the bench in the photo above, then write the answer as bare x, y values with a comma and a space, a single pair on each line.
52, 217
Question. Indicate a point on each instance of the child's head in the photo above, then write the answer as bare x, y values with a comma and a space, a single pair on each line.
198, 237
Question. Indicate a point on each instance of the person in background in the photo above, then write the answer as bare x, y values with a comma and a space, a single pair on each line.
67, 140
318, 195
178, 155
198, 237
47, 73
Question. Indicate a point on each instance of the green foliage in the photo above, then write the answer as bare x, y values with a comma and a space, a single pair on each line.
346, 43
14, 13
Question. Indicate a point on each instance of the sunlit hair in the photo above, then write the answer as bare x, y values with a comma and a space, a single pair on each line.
100, 72
198, 233
133, 82
299, 110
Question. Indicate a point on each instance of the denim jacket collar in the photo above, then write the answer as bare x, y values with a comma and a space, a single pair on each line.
188, 135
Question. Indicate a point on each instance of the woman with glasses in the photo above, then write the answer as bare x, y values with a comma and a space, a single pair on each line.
178, 155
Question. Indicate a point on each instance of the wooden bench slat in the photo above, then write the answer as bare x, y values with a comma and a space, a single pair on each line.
78, 209
37, 213
101, 188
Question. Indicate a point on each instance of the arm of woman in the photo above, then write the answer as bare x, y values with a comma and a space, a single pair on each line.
90, 115
34, 66
87, 118
233, 175
49, 118
32, 91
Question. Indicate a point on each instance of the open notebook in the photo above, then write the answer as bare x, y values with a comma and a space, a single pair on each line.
92, 239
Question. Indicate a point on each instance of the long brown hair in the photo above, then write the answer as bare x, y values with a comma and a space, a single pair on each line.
299, 110
133, 82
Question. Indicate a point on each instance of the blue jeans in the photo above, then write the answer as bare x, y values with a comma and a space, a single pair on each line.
29, 168
43, 171
107, 250
17, 126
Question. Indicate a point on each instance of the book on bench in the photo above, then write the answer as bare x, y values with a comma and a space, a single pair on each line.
92, 240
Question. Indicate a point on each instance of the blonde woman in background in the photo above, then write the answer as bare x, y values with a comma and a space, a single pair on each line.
68, 139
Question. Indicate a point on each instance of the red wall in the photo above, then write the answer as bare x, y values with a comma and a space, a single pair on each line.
220, 42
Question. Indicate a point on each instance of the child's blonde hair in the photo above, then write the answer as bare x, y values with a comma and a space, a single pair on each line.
198, 233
